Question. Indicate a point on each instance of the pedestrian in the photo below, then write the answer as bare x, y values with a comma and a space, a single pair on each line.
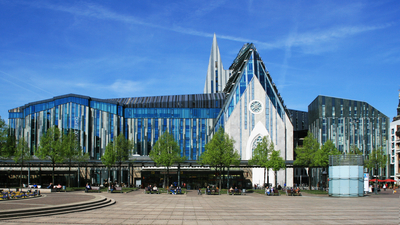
384, 187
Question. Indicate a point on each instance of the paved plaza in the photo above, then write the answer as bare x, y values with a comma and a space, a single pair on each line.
139, 208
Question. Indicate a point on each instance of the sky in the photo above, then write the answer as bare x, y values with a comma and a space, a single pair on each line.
111, 49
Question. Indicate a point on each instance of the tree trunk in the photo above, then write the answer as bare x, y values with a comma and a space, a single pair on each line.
119, 173
276, 179
69, 174
309, 178
264, 178
267, 176
20, 176
227, 186
220, 171
167, 176
52, 173
109, 183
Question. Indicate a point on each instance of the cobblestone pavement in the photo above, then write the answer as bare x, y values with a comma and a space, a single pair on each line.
139, 208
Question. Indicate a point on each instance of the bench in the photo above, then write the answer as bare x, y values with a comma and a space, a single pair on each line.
118, 189
213, 192
94, 188
147, 191
274, 193
235, 192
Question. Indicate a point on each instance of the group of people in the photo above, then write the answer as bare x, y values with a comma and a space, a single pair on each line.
174, 191
234, 190
55, 187
152, 189
212, 190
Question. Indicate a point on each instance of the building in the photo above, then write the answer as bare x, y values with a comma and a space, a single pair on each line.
348, 123
243, 100
253, 108
394, 146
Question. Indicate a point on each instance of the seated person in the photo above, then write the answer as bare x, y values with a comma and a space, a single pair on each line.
112, 188
230, 190
179, 190
58, 186
172, 190
50, 186
34, 186
199, 191
268, 191
155, 189
87, 187
149, 189
297, 190
236, 190
208, 191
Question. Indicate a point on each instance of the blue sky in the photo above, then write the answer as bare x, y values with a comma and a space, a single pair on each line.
107, 49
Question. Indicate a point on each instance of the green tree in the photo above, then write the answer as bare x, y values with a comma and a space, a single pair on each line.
123, 149
51, 147
231, 156
276, 162
9, 147
376, 160
22, 154
108, 158
306, 154
3, 137
261, 155
71, 150
166, 152
217, 152
322, 155
354, 150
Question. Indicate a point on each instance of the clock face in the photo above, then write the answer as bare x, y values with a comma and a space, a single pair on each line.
255, 107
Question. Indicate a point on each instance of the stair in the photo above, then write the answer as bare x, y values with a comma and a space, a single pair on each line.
55, 210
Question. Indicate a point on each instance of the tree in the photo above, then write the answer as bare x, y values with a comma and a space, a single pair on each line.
306, 154
276, 162
51, 147
108, 158
3, 137
22, 154
71, 150
231, 156
166, 152
10, 146
377, 159
354, 150
322, 155
123, 148
217, 152
261, 155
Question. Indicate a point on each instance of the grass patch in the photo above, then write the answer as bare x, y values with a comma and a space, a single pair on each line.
315, 192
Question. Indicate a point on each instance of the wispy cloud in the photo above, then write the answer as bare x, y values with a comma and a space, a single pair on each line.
300, 39
16, 82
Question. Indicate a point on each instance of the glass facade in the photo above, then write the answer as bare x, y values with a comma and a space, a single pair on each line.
96, 122
348, 123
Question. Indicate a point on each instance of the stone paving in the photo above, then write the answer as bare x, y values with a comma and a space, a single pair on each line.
139, 208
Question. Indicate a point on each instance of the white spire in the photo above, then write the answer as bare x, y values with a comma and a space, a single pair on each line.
216, 75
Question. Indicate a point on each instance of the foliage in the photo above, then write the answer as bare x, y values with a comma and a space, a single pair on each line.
220, 152
51, 147
108, 158
354, 150
3, 136
22, 154
166, 152
10, 147
306, 153
261, 154
276, 162
322, 155
377, 159
71, 150
123, 148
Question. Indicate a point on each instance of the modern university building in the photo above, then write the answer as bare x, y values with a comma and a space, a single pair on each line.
242, 99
